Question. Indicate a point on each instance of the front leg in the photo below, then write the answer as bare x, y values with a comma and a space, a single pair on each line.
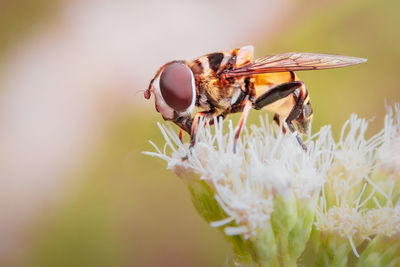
184, 122
195, 125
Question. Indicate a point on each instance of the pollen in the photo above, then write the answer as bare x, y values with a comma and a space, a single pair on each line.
384, 221
344, 221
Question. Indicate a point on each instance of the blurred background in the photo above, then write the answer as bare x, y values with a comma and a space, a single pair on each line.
75, 189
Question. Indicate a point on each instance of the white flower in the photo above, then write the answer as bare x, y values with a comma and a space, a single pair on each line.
268, 163
387, 155
384, 221
270, 192
387, 173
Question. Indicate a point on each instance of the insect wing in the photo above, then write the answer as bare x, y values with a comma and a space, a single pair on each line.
293, 62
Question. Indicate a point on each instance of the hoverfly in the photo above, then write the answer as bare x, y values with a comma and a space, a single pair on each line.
232, 81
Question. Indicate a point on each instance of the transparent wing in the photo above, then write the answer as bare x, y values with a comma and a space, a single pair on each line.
293, 62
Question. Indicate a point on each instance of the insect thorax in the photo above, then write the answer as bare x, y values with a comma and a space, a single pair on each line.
213, 91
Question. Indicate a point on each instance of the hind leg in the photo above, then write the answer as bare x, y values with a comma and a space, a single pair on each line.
281, 91
277, 120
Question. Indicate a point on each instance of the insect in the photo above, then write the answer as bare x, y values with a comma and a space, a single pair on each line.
232, 81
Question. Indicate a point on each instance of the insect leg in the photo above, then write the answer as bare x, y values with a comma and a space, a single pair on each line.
283, 90
278, 122
276, 119
195, 125
185, 123
278, 92
295, 113
216, 118
247, 106
180, 135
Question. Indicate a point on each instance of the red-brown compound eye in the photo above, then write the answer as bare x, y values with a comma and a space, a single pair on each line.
176, 86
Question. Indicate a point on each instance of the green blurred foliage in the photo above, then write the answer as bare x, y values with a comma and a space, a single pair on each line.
19, 17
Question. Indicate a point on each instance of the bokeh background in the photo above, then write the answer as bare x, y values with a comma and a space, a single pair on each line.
75, 189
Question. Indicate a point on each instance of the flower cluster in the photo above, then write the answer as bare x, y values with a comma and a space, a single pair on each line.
277, 203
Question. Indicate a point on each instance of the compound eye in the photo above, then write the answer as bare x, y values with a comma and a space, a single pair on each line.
176, 86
